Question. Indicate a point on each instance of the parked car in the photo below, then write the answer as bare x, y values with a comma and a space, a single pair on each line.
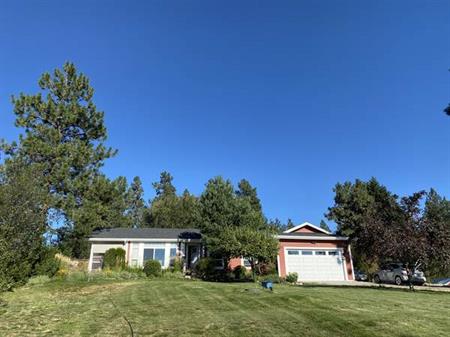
361, 276
398, 273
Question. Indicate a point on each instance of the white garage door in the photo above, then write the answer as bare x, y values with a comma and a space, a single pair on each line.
315, 264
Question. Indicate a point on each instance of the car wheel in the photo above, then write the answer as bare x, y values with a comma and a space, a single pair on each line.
398, 280
376, 279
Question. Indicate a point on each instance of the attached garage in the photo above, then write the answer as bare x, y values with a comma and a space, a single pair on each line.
314, 254
316, 264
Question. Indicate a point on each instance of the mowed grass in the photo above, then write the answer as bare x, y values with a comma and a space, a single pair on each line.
192, 308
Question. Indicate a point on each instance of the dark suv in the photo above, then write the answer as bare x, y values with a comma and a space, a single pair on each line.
398, 273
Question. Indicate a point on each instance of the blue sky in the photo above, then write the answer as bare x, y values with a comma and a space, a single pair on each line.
295, 96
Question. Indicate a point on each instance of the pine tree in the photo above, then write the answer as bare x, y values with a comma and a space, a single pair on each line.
246, 190
324, 226
136, 204
64, 134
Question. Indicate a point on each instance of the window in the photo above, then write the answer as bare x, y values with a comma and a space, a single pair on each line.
159, 256
149, 254
293, 252
333, 252
307, 252
173, 252
247, 263
321, 252
97, 261
154, 254
134, 254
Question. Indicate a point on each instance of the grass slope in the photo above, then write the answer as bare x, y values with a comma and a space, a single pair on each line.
185, 308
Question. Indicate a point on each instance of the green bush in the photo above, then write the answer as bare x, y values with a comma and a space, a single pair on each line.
240, 273
48, 264
152, 268
114, 259
292, 277
205, 268
177, 265
40, 279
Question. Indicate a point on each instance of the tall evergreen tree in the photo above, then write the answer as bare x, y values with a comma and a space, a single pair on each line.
64, 133
437, 233
324, 226
136, 204
290, 224
246, 190
105, 205
164, 188
230, 221
168, 210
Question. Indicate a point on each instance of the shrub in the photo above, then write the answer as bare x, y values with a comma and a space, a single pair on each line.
77, 276
114, 259
40, 279
62, 273
152, 268
49, 264
205, 268
240, 273
292, 277
177, 265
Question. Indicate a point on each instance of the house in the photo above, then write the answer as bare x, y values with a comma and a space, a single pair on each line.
141, 244
314, 254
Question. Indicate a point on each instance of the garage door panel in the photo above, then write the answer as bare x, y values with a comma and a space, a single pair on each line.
320, 265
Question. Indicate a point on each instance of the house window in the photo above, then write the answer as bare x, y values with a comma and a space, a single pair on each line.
293, 252
154, 254
307, 252
149, 254
97, 261
159, 255
134, 255
173, 252
333, 252
321, 252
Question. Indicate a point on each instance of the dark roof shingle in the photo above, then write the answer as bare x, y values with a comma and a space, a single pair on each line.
147, 233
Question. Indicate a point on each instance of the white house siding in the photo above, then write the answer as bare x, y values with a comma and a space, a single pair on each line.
101, 248
135, 257
138, 247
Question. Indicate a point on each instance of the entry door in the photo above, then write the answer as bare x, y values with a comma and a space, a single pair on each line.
316, 265
193, 255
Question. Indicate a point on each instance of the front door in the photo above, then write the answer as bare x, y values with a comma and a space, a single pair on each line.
193, 255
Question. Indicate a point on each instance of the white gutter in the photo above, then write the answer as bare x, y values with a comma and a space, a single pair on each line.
308, 238
142, 240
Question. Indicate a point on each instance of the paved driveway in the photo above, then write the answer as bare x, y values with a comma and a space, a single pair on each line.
376, 285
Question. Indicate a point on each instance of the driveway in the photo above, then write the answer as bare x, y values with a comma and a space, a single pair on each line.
376, 285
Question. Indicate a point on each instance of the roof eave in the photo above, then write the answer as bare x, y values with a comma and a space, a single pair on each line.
93, 239
309, 238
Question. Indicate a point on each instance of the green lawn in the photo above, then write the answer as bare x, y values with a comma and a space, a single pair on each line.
188, 308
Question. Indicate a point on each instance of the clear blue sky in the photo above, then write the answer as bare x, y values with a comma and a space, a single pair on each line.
294, 96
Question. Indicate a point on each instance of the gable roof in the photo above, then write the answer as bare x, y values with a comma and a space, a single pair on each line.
146, 233
307, 224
